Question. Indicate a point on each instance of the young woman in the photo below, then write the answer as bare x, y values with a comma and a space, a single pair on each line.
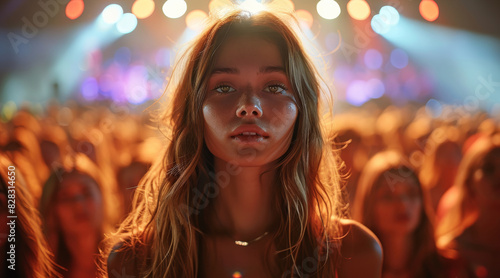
470, 224
30, 256
390, 202
74, 217
248, 186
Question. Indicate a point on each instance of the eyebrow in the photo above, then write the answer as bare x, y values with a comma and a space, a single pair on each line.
265, 69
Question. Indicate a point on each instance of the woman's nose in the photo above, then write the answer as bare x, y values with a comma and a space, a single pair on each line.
249, 107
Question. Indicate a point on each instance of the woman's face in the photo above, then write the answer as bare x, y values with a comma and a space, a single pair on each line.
79, 205
249, 108
397, 206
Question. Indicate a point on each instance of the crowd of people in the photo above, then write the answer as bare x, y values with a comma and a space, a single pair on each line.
241, 174
427, 187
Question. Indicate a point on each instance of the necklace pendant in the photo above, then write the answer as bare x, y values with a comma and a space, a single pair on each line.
240, 243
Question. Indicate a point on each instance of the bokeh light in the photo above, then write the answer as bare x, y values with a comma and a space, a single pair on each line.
252, 6
174, 8
357, 93
143, 8
112, 13
127, 23
389, 14
429, 10
379, 25
399, 58
237, 274
218, 6
195, 20
358, 9
433, 108
90, 88
74, 9
373, 59
305, 18
136, 91
328, 9
376, 88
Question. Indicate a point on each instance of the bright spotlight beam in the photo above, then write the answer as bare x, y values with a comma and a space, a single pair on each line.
464, 66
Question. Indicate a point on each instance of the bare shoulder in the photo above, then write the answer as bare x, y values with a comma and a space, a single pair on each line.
361, 251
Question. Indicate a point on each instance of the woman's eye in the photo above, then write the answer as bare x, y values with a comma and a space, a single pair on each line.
224, 89
275, 89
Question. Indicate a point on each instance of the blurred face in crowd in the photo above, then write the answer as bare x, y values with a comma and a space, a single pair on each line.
79, 205
486, 178
398, 205
249, 109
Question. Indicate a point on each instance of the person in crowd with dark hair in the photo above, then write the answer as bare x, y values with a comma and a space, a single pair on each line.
74, 216
469, 226
390, 201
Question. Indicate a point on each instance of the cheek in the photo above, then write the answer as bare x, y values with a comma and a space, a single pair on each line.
416, 206
382, 213
212, 124
283, 115
64, 214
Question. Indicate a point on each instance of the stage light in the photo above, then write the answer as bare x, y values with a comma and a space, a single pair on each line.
127, 23
429, 10
174, 8
389, 14
252, 6
304, 18
143, 8
195, 20
399, 58
74, 9
112, 13
358, 9
373, 59
328, 9
379, 25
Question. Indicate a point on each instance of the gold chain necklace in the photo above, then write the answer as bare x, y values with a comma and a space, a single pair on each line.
241, 242
246, 243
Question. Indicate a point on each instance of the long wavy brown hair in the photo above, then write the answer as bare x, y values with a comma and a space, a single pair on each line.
166, 214
32, 253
